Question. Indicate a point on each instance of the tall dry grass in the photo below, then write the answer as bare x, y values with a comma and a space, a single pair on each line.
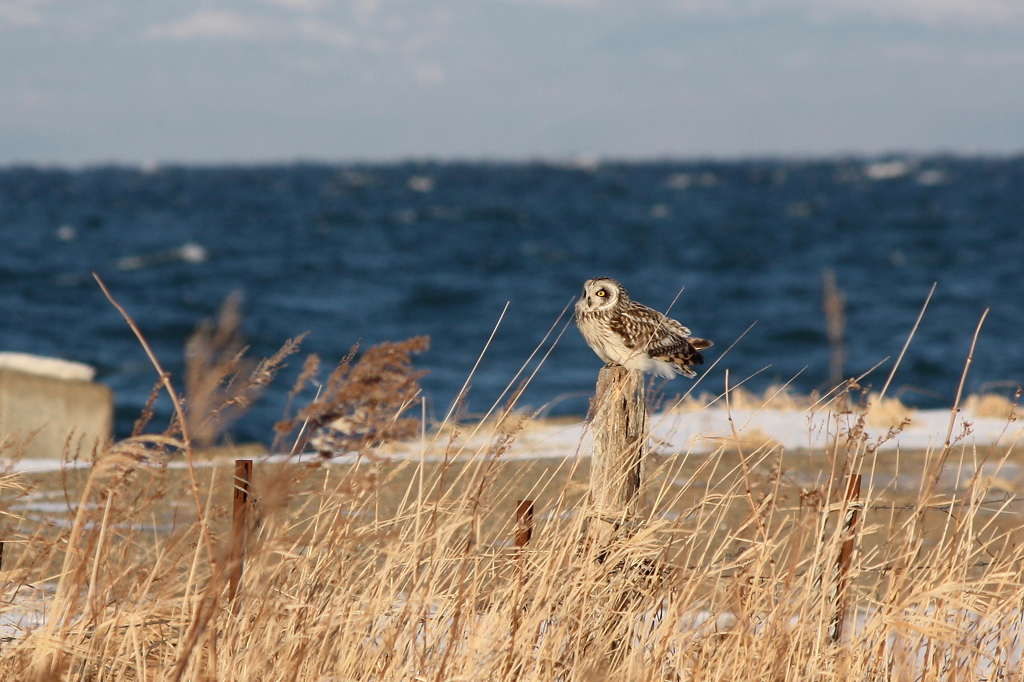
380, 570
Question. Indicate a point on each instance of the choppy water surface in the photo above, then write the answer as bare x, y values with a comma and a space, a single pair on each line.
374, 252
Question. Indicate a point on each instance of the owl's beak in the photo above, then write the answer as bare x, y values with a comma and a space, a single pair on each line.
590, 303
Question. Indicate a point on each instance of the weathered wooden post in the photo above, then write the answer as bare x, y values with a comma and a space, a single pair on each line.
239, 522
620, 428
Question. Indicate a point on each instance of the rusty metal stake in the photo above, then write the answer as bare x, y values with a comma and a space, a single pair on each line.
524, 522
524, 532
239, 522
842, 567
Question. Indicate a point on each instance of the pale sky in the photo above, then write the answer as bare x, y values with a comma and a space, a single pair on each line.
150, 81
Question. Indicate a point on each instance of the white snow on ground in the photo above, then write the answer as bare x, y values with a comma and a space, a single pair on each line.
705, 430
25, 611
793, 429
694, 431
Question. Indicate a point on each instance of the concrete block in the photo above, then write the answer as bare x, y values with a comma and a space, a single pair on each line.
58, 368
39, 396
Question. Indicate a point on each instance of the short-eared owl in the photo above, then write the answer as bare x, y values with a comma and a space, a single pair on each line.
624, 332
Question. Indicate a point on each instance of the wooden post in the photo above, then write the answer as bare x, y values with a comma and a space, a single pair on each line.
834, 304
524, 522
620, 428
842, 567
239, 522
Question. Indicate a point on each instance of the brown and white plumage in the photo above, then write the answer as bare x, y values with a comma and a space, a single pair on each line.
624, 332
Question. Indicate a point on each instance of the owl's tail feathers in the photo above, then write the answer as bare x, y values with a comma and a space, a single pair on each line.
681, 360
684, 370
665, 367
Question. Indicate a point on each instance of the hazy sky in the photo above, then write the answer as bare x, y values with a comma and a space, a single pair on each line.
85, 81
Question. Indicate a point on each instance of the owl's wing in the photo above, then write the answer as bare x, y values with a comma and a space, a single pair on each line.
674, 327
638, 326
679, 331
674, 346
661, 337
672, 342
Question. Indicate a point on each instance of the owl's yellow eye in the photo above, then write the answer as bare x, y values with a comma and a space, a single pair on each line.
602, 293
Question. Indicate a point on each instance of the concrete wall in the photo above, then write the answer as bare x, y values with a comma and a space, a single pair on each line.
58, 408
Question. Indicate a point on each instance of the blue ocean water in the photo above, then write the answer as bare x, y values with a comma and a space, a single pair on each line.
383, 252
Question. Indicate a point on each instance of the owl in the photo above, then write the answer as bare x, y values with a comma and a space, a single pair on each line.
624, 332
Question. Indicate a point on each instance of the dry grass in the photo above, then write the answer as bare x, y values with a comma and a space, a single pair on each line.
404, 570
774, 397
889, 412
990, 405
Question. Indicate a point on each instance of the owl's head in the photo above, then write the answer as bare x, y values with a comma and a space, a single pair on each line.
602, 293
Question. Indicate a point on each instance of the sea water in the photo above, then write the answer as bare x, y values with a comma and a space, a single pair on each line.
372, 252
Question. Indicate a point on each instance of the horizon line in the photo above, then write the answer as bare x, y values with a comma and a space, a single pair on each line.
582, 161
